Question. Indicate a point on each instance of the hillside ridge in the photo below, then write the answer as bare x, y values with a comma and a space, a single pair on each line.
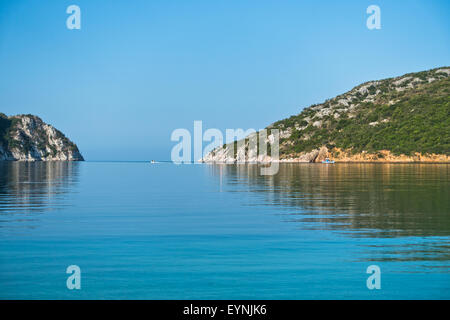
405, 118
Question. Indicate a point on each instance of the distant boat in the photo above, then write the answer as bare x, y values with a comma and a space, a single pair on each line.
153, 161
328, 161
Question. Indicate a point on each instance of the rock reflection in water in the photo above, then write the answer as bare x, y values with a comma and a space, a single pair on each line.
377, 200
29, 187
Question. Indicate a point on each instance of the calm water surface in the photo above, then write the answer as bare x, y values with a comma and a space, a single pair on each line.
162, 231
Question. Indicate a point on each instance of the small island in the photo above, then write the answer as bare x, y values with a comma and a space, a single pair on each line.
28, 138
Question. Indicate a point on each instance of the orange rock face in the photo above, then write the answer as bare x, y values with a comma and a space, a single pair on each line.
340, 155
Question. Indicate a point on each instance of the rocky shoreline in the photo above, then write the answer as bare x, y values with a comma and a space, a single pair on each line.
335, 154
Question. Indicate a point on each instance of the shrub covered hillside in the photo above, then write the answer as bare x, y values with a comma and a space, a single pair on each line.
404, 115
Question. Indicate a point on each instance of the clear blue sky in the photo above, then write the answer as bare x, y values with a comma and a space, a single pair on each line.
137, 70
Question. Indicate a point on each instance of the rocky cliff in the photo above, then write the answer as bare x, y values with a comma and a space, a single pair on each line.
400, 119
28, 138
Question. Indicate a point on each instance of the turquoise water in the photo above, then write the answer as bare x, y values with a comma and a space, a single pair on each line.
162, 231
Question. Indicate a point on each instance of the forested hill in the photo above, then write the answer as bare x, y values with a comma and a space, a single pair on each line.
405, 116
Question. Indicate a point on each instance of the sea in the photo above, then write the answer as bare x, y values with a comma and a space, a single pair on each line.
138, 230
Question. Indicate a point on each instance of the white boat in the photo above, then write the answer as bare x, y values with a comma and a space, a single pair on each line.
328, 161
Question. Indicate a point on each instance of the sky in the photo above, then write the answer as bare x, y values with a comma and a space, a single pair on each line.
137, 70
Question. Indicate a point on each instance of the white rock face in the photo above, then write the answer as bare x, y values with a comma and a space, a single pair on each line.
317, 123
401, 80
245, 154
344, 102
30, 139
443, 70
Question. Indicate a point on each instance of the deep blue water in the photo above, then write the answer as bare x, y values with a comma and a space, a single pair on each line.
165, 231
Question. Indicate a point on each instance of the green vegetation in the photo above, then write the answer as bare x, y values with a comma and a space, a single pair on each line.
7, 126
414, 118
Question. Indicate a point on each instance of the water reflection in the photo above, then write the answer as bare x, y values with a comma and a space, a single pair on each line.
374, 200
408, 203
29, 187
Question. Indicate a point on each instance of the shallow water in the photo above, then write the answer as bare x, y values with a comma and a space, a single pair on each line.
162, 231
